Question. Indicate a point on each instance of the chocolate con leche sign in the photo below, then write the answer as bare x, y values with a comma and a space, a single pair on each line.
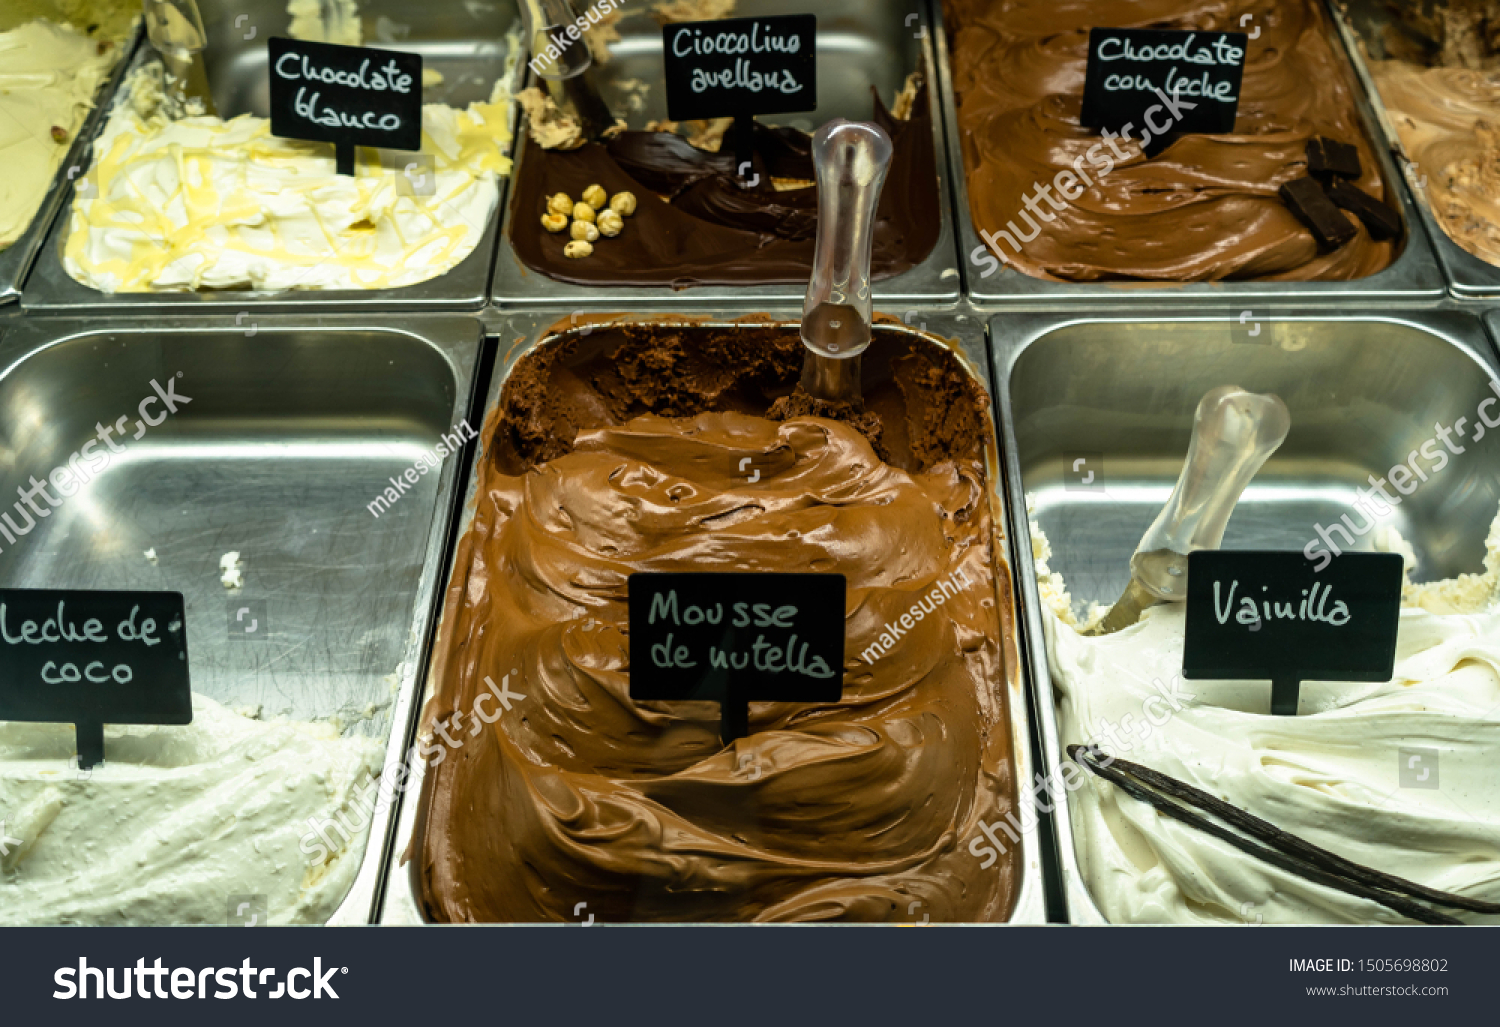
1163, 81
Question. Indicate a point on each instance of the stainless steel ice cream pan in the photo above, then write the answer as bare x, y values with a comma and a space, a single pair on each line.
521, 333
876, 43
1413, 275
293, 428
465, 42
1097, 414
1362, 24
16, 259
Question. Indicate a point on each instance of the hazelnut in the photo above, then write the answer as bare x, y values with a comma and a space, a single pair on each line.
583, 212
595, 196
584, 231
559, 204
609, 223
577, 249
622, 204
59, 134
554, 222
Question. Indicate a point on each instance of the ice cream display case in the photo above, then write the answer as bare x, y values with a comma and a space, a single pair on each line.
1391, 448
56, 73
618, 446
699, 232
1433, 78
249, 473
1052, 212
253, 221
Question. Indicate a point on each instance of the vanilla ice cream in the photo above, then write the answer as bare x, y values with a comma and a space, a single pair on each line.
179, 819
202, 203
1330, 775
49, 75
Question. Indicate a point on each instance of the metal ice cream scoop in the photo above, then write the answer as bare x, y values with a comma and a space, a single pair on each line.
851, 159
1234, 434
176, 31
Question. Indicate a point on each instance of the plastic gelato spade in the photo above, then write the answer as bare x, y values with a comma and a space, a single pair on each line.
1234, 434
563, 63
851, 159
175, 29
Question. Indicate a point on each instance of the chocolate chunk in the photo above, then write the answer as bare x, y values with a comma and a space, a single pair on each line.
1306, 199
1381, 221
1330, 157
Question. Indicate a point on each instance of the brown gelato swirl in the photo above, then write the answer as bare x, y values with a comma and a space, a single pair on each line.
1444, 99
857, 810
1204, 209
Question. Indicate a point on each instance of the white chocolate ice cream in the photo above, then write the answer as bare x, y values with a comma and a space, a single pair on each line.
1329, 775
178, 819
202, 203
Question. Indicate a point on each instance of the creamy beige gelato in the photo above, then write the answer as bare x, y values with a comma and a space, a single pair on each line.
202, 203
1329, 775
50, 74
178, 819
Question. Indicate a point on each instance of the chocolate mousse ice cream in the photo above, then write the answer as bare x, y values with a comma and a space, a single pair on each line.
1206, 208
624, 450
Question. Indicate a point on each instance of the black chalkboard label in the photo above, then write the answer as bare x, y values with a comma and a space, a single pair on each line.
93, 658
736, 639
738, 67
1154, 83
346, 95
1256, 615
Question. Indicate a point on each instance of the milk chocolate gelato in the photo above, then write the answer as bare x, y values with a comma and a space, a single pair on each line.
625, 450
1206, 207
697, 225
1441, 87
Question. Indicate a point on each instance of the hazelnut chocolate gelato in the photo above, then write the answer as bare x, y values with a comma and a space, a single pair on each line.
1441, 87
697, 224
626, 449
1206, 208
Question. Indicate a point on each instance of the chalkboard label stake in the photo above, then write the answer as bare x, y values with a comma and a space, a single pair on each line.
734, 715
744, 149
343, 155
1285, 694
90, 735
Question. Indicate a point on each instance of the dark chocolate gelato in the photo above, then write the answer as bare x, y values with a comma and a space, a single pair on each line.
697, 225
623, 450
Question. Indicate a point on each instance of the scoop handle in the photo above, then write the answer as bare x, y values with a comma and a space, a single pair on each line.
544, 17
851, 159
1234, 434
174, 27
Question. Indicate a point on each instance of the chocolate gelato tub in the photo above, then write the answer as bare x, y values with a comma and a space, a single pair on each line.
1436, 95
1097, 419
1200, 222
466, 45
715, 242
874, 808
249, 473
17, 258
